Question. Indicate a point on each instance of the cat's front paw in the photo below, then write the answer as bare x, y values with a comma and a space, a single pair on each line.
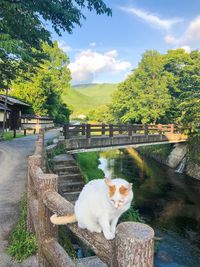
109, 236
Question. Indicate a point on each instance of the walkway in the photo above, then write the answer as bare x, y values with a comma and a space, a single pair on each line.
13, 178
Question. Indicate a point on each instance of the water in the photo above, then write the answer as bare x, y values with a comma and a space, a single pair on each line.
168, 201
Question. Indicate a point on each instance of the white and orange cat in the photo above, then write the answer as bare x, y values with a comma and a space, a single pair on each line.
99, 206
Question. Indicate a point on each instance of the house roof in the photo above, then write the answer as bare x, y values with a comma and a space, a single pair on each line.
13, 101
2, 107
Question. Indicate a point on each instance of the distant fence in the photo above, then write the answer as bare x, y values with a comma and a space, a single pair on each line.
89, 130
133, 245
29, 121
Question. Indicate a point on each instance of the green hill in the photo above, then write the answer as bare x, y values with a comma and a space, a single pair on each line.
83, 98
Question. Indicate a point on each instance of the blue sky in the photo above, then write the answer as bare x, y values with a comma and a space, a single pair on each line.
106, 49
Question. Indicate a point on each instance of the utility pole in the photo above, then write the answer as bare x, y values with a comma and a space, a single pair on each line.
5, 110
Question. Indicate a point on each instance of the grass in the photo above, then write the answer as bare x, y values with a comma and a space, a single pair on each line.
89, 163
161, 151
83, 99
22, 243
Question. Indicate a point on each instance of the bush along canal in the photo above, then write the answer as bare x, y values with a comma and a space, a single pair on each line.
167, 201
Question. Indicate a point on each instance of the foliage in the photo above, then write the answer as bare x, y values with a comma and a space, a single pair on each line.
22, 244
48, 84
144, 96
164, 88
22, 30
65, 242
88, 163
160, 151
194, 147
132, 215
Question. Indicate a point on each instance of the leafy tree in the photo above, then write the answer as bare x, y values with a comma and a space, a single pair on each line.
144, 96
22, 29
43, 89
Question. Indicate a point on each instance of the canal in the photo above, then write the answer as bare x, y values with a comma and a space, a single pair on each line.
167, 201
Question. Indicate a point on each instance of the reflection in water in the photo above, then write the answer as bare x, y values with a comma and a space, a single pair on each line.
169, 202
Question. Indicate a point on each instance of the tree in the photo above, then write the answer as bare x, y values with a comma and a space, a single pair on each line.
22, 29
43, 89
144, 96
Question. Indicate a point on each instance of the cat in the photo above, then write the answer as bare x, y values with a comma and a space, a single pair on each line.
99, 206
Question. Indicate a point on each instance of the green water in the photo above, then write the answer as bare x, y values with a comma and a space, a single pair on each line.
169, 202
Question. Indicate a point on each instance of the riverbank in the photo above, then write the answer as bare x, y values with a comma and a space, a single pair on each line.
180, 157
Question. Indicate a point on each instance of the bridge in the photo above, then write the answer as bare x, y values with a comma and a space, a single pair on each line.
102, 136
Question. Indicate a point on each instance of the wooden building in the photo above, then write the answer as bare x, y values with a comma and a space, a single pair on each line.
15, 108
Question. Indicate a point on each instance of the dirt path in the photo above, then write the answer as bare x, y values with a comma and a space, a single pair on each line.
13, 179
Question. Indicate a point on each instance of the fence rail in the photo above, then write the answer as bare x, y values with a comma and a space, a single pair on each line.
133, 245
89, 130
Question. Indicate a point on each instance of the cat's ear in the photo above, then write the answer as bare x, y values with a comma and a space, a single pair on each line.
130, 185
108, 181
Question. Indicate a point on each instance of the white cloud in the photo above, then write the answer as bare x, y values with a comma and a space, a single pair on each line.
62, 45
89, 63
187, 48
191, 36
152, 19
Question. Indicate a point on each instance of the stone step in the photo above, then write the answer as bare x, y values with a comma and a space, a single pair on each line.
62, 169
67, 186
90, 262
71, 196
64, 159
74, 177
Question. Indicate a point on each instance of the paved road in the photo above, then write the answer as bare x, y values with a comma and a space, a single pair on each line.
13, 179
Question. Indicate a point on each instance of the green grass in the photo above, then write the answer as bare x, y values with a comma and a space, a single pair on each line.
83, 99
9, 135
22, 243
161, 151
89, 163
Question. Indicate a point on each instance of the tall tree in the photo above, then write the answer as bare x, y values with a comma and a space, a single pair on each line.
44, 88
144, 96
22, 28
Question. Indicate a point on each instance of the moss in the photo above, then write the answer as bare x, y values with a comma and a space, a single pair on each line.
65, 241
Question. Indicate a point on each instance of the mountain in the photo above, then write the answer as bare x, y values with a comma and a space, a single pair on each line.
86, 97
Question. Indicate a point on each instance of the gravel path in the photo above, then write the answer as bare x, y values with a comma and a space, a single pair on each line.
13, 179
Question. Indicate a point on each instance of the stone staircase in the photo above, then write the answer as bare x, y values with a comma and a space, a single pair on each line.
70, 180
70, 185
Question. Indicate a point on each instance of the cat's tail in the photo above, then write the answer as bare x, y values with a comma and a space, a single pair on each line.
63, 219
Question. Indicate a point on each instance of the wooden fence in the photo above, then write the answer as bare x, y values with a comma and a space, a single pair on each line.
88, 130
133, 245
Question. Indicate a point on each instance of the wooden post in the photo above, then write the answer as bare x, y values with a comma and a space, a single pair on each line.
130, 132
172, 128
88, 130
31, 191
134, 245
110, 130
14, 133
46, 182
24, 132
66, 131
83, 129
103, 129
146, 129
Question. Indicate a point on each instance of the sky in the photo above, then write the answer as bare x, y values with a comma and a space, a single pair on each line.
106, 49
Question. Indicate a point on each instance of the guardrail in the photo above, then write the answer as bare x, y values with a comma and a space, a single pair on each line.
133, 245
90, 130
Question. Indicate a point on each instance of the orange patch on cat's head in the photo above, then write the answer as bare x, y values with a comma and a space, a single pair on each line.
123, 190
111, 186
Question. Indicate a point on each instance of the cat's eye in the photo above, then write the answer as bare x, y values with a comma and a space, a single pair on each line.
112, 201
121, 201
